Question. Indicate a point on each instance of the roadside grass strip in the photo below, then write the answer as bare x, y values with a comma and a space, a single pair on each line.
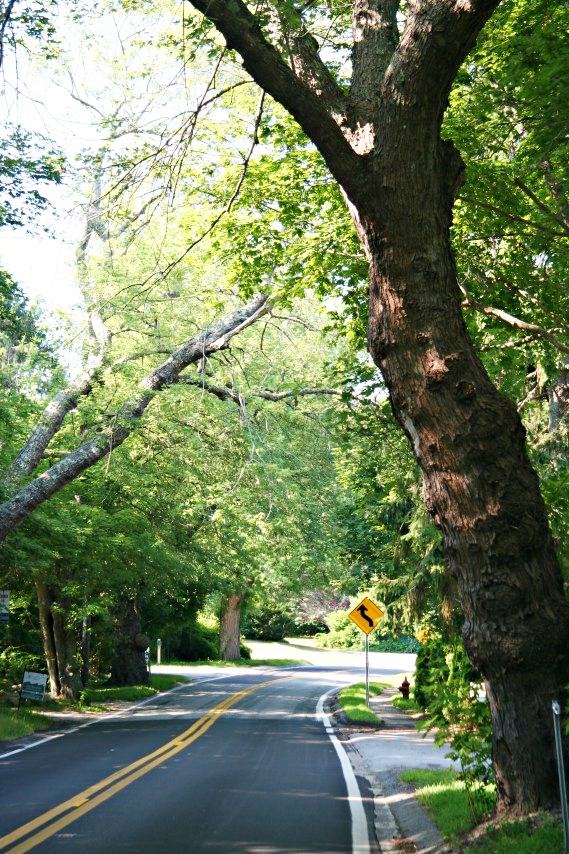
83, 802
457, 810
353, 704
16, 723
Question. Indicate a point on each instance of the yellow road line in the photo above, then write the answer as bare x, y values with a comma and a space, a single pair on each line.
85, 801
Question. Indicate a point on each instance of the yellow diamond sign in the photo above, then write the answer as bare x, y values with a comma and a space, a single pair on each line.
366, 615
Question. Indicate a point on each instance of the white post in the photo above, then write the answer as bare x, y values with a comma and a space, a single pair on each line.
561, 771
158, 651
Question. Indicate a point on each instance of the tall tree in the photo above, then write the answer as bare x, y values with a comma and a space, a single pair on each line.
380, 136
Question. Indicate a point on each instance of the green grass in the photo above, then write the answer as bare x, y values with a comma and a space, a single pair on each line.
352, 701
96, 694
540, 835
456, 811
16, 723
428, 776
406, 705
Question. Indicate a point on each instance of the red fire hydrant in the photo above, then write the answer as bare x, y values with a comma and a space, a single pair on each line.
404, 688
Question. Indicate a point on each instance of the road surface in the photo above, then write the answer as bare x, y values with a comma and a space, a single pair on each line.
237, 761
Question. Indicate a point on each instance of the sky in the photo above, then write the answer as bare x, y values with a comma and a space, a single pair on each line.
41, 263
44, 97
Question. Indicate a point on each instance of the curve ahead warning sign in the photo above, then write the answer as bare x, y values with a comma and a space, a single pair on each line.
366, 615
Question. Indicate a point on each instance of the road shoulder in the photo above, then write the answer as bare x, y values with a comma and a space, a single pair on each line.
401, 824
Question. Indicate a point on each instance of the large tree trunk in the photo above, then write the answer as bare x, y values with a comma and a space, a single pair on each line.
382, 142
86, 650
230, 627
129, 661
470, 444
60, 642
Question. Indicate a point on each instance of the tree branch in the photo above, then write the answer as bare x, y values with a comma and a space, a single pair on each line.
6, 16
437, 39
52, 417
16, 509
318, 112
512, 217
515, 322
302, 48
560, 220
224, 393
375, 38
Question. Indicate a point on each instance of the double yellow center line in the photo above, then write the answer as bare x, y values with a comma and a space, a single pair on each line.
60, 816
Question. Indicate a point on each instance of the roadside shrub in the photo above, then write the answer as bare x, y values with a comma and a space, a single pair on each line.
14, 660
388, 643
196, 642
244, 651
446, 688
343, 634
268, 624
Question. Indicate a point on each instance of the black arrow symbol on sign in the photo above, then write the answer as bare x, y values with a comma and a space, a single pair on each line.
365, 616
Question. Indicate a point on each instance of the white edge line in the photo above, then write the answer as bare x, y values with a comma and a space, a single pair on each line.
42, 740
360, 835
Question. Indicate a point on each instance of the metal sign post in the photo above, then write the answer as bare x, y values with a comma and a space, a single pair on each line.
366, 616
367, 670
561, 771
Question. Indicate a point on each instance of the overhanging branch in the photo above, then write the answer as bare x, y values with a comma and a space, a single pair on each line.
534, 328
225, 393
320, 110
16, 509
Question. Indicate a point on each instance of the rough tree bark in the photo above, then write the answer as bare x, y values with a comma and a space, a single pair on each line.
60, 643
129, 663
382, 142
230, 627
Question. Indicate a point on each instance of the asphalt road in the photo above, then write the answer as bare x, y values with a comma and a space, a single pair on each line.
238, 762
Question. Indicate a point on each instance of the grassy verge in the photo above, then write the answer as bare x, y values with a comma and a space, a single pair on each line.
541, 833
96, 694
16, 723
454, 809
457, 811
406, 705
352, 701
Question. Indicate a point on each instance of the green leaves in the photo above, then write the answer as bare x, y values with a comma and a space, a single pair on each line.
24, 165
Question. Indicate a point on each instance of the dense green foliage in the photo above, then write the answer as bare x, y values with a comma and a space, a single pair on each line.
450, 692
300, 504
